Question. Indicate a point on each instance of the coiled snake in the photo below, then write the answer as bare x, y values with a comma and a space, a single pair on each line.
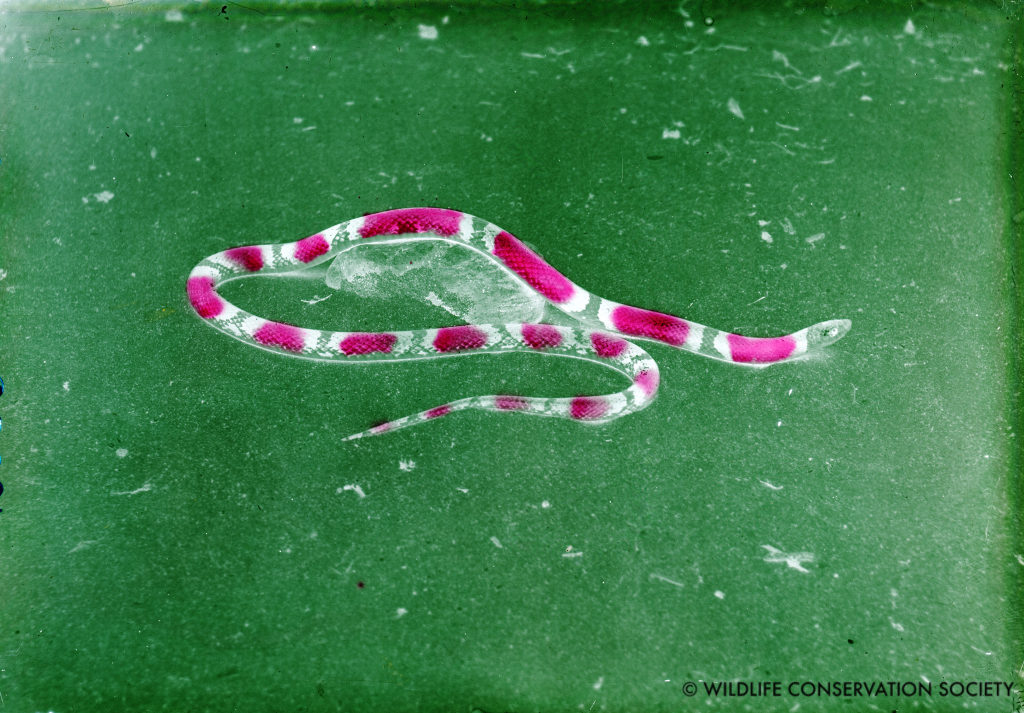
603, 330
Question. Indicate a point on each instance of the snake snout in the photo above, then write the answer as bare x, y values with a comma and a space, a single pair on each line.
828, 332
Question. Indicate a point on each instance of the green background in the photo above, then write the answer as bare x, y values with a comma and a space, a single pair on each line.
176, 534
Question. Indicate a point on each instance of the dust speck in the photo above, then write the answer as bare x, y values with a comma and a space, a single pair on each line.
355, 489
734, 107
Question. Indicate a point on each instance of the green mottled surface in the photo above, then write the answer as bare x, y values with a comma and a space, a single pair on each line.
176, 532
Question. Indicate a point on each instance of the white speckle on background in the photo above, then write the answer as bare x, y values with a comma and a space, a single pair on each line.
569, 552
793, 560
3, 274
400, 612
734, 107
599, 683
122, 452
772, 486
356, 489
545, 504
427, 32
174, 16
497, 543
865, 98
779, 57
720, 594
144, 489
152, 152
815, 238
315, 299
671, 134
766, 236
909, 29
643, 41
104, 197
406, 465
662, 578
67, 386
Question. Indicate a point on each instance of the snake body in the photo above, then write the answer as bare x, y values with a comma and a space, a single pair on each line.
603, 331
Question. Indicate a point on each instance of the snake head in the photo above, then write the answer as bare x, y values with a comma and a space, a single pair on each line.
825, 333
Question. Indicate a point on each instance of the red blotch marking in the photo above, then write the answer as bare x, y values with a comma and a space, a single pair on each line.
531, 267
367, 343
511, 403
411, 220
747, 350
586, 407
277, 334
456, 339
205, 300
250, 257
382, 427
439, 411
541, 336
648, 381
646, 323
312, 247
607, 346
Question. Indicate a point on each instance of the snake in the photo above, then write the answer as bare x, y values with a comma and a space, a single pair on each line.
598, 330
